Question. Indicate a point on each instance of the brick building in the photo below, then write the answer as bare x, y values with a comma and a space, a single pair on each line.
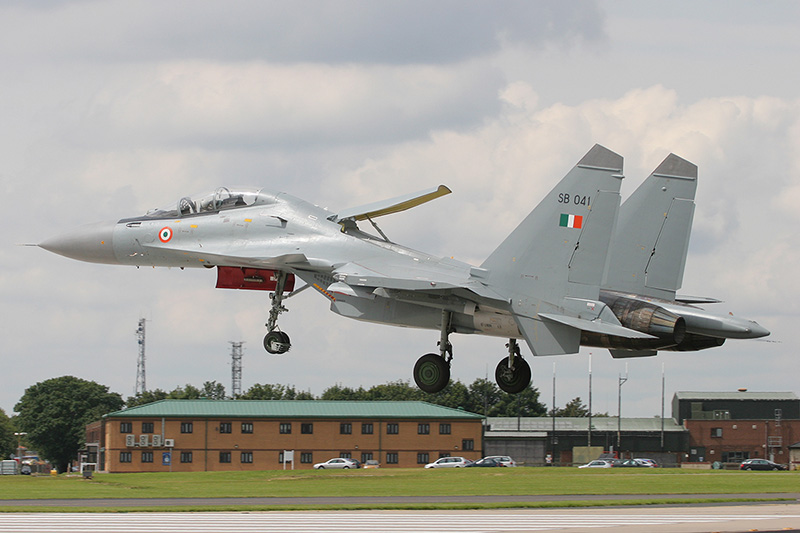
729, 427
216, 435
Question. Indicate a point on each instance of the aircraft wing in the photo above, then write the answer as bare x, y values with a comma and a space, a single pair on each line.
417, 275
392, 205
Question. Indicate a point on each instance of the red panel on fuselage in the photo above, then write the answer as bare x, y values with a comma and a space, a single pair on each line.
254, 279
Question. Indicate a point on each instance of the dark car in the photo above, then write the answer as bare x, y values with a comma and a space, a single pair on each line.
760, 464
488, 461
629, 463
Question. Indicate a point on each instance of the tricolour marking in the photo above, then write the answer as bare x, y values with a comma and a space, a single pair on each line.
571, 221
165, 234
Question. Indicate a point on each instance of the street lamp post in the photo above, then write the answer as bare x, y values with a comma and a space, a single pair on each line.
19, 436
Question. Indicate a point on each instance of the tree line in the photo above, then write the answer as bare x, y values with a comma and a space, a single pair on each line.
54, 412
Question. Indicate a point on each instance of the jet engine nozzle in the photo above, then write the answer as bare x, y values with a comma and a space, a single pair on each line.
91, 243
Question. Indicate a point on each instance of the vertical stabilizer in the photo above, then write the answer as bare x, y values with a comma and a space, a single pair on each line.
648, 251
555, 259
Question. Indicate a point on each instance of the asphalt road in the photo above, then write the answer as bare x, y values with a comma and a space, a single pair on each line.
373, 500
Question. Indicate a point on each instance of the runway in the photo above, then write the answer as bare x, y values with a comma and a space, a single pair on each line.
676, 519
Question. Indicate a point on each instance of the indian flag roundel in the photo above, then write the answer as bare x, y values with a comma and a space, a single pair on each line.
165, 234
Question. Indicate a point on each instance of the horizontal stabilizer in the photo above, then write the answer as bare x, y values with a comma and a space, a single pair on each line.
596, 326
393, 205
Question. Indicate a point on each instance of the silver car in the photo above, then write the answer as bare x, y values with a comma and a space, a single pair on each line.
505, 459
449, 462
337, 462
598, 463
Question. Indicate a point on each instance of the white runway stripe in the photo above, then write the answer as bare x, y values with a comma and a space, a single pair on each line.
322, 522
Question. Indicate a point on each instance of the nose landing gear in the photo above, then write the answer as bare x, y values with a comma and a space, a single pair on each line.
277, 342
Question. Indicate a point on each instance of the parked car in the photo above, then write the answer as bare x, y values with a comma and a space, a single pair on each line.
647, 462
338, 462
505, 459
449, 462
598, 463
488, 461
372, 463
760, 464
629, 463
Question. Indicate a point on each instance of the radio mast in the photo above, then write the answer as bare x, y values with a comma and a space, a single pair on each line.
141, 381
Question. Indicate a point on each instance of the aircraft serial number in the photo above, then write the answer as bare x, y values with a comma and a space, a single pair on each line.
577, 199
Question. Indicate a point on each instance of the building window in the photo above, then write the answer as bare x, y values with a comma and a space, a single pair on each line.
423, 458
392, 429
306, 457
186, 457
286, 428
467, 445
345, 455
444, 454
280, 457
247, 457
444, 429
716, 432
307, 428
392, 458
225, 427
126, 427
147, 457
366, 428
125, 457
423, 429
345, 428
366, 456
147, 427
247, 427
224, 457
187, 427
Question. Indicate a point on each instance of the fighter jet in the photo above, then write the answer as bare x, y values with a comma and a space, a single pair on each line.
546, 283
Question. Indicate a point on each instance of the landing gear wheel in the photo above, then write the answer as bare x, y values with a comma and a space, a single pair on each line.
431, 373
513, 380
277, 342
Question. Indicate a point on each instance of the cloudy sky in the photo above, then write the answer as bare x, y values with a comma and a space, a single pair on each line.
110, 108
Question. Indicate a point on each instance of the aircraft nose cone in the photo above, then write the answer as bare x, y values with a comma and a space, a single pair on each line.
91, 243
757, 331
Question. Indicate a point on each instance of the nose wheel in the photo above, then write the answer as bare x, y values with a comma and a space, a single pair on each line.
277, 342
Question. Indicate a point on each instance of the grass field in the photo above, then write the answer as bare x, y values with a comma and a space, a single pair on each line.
401, 482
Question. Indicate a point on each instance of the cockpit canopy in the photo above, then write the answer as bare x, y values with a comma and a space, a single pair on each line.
220, 199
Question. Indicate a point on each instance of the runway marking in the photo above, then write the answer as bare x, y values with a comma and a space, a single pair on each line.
322, 522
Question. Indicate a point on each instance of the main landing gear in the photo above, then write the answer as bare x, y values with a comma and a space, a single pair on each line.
432, 371
277, 342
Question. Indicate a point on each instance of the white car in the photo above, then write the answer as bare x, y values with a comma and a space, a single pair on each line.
598, 463
505, 459
449, 462
647, 462
338, 462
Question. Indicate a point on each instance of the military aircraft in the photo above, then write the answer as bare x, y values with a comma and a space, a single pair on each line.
547, 282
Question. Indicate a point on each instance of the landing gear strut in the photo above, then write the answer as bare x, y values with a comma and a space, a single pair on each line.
276, 341
513, 374
432, 371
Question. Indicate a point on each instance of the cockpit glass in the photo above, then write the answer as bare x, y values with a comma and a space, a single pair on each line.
220, 199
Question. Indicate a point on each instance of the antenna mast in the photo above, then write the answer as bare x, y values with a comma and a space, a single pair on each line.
141, 381
236, 369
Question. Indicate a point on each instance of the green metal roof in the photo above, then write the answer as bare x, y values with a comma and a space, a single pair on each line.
736, 395
292, 409
567, 424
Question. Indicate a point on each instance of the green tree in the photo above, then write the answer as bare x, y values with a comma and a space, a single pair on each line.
525, 403
454, 395
8, 442
269, 391
148, 396
213, 391
55, 412
484, 395
397, 391
338, 392
574, 407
